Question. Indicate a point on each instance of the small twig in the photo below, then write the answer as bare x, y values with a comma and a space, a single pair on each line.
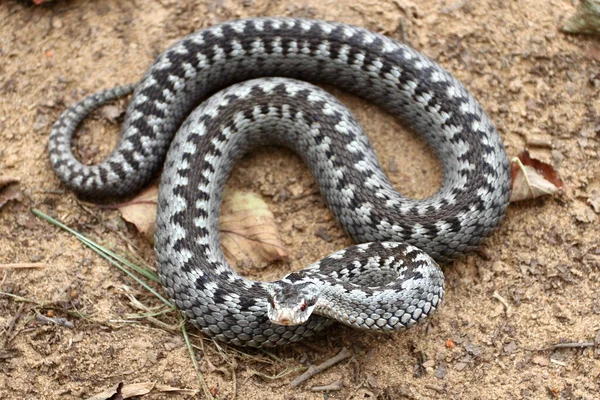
337, 385
314, 370
501, 299
572, 345
11, 326
566, 345
58, 321
356, 369
234, 384
23, 265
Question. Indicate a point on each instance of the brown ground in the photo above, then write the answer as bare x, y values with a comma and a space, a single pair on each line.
539, 86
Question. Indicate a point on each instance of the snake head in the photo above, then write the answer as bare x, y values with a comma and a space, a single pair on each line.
291, 303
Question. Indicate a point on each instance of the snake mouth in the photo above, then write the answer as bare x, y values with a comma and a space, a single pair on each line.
284, 317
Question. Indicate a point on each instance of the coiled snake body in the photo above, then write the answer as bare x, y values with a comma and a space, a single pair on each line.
384, 284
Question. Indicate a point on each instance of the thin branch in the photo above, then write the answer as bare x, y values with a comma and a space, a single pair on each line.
23, 265
314, 370
502, 300
57, 321
566, 345
337, 385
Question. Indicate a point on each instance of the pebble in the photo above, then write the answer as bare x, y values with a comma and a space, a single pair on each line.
57, 23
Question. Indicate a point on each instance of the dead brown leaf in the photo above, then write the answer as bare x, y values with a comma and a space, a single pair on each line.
248, 230
137, 389
533, 178
249, 234
9, 190
141, 211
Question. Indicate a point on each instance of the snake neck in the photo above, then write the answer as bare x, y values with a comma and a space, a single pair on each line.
389, 287
383, 310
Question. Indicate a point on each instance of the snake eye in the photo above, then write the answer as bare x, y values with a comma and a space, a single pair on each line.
303, 306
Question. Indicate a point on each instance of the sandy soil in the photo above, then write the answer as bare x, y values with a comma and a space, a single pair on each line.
539, 86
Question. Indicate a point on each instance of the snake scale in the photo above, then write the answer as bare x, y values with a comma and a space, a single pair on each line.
388, 282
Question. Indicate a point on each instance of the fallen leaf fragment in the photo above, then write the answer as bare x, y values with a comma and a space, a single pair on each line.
586, 18
248, 230
121, 391
249, 234
532, 178
9, 190
141, 211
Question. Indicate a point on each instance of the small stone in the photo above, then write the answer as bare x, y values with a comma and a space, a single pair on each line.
460, 366
111, 113
515, 86
152, 357
77, 338
540, 360
295, 189
473, 350
539, 140
510, 348
440, 372
57, 23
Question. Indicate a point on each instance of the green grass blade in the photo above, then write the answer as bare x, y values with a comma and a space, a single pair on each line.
188, 344
110, 256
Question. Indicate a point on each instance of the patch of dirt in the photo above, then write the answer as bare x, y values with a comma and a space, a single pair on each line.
540, 87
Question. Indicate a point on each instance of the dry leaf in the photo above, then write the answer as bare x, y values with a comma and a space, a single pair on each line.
141, 211
137, 389
532, 178
9, 190
248, 231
